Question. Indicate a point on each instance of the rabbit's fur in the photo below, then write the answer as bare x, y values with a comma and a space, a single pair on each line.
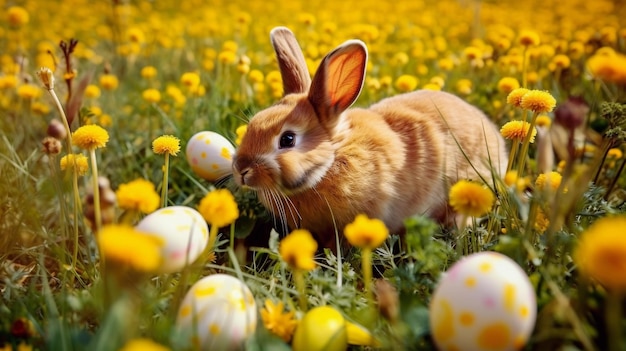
316, 163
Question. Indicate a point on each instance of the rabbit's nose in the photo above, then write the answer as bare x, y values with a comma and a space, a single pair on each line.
242, 176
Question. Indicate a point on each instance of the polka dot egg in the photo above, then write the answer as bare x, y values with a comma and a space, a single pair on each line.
183, 232
485, 301
210, 155
218, 313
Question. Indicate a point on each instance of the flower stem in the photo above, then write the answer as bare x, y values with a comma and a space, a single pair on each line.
164, 187
614, 320
212, 237
524, 66
66, 124
461, 241
298, 278
76, 209
512, 154
526, 145
96, 189
366, 267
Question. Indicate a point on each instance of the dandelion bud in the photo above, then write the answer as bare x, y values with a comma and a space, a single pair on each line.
107, 195
46, 77
56, 129
387, 297
571, 114
51, 146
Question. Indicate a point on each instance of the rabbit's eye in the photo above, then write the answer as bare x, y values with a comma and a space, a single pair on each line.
287, 140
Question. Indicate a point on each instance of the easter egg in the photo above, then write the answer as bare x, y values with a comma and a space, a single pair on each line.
485, 301
321, 328
218, 313
183, 232
210, 155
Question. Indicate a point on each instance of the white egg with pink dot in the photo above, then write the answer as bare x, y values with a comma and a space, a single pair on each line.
210, 155
485, 301
218, 313
183, 234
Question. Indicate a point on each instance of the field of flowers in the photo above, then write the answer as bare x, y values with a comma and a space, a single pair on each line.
101, 102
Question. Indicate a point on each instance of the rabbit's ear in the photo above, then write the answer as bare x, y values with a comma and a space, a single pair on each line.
293, 69
339, 80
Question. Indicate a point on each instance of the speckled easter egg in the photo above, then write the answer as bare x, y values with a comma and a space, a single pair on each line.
183, 232
218, 313
485, 301
210, 155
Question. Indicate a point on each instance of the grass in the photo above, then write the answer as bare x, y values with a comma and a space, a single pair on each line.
49, 303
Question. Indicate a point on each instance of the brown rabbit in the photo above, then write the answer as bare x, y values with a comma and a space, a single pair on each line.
317, 164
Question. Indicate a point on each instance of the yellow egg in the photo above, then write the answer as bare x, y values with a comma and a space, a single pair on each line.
321, 329
485, 301
183, 232
210, 155
218, 313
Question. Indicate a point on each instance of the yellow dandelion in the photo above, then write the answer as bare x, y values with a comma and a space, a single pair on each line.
307, 19
125, 246
614, 154
109, 81
148, 72
551, 180
256, 76
510, 178
538, 101
273, 77
470, 198
529, 38
151, 95
219, 208
406, 83
364, 232
227, 57
166, 144
135, 35
464, 86
241, 131
143, 344
541, 221
17, 16
92, 91
543, 121
561, 61
431, 86
507, 84
297, 250
90, 137
517, 130
28, 91
190, 79
608, 67
515, 96
8, 82
280, 323
138, 195
472, 53
40, 108
399, 59
74, 163
230, 45
601, 252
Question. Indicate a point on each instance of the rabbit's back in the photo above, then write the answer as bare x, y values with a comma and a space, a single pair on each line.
446, 139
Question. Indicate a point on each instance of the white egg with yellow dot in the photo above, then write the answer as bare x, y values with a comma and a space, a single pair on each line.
218, 313
210, 155
485, 301
183, 233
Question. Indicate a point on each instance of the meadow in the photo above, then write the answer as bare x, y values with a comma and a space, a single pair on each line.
99, 101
